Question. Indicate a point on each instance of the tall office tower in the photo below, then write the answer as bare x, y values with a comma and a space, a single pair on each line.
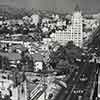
77, 27
74, 31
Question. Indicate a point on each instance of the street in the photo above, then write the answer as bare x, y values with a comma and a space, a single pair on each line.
78, 90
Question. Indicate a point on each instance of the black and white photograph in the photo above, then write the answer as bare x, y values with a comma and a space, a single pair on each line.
49, 49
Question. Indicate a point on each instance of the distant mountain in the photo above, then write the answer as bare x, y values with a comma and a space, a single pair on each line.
10, 11
13, 12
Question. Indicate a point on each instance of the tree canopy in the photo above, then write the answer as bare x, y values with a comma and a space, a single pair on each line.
68, 53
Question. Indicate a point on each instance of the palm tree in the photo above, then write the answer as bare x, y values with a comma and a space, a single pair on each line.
55, 57
68, 53
73, 52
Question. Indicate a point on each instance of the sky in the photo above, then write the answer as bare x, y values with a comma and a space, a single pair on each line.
67, 5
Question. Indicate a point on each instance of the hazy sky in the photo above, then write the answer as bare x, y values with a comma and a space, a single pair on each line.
91, 5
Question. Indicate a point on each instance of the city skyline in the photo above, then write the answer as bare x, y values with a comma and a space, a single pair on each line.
87, 6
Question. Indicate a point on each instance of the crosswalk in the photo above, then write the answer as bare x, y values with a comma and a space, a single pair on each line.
37, 92
34, 92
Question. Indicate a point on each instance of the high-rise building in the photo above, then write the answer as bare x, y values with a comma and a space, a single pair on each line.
77, 27
74, 32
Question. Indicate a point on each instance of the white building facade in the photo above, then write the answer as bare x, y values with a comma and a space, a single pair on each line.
77, 28
74, 31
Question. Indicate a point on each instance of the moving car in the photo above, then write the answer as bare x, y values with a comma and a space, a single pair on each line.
83, 77
78, 91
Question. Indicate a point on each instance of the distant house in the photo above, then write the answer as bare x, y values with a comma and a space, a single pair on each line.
38, 61
37, 57
19, 48
20, 22
38, 65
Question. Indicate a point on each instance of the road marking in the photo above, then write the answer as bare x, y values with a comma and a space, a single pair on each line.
79, 97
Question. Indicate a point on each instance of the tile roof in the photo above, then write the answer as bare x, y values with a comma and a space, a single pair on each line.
37, 57
11, 56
